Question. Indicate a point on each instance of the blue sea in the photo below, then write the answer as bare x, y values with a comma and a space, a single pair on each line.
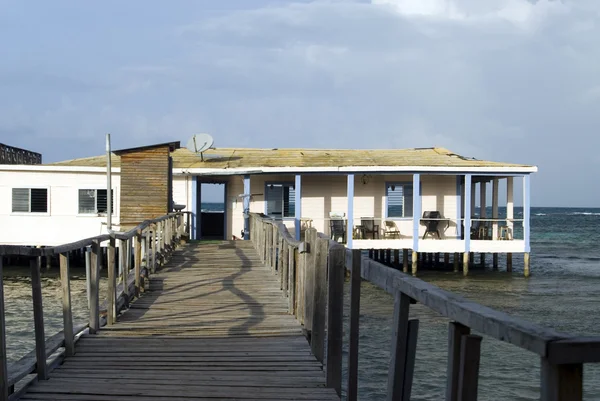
563, 292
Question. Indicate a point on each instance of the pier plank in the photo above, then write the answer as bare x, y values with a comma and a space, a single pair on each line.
213, 324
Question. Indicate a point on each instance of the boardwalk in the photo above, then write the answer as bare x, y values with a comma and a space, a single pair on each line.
213, 325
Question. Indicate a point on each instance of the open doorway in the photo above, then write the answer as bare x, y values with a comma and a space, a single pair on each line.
211, 219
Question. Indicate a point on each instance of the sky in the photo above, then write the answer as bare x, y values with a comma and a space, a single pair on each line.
505, 80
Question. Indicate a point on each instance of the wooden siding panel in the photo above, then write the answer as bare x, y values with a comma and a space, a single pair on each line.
144, 185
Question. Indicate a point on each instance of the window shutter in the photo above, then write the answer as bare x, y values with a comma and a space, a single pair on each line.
20, 199
87, 201
395, 194
408, 201
289, 201
274, 199
39, 200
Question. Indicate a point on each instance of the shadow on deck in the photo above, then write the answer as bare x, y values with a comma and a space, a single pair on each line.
213, 325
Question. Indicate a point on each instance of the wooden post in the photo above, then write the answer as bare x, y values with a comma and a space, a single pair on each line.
111, 313
66, 304
94, 287
138, 261
285, 261
319, 299
466, 263
509, 262
154, 244
415, 259
482, 260
561, 382
404, 347
446, 259
470, 348
309, 278
4, 387
397, 258
282, 261
388, 257
355, 278
456, 261
455, 333
274, 255
38, 317
124, 245
292, 279
495, 260
335, 317
405, 260
526, 264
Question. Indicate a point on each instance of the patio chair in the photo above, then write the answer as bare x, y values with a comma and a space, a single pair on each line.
369, 227
390, 230
432, 223
337, 227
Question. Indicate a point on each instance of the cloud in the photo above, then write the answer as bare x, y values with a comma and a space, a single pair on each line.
510, 80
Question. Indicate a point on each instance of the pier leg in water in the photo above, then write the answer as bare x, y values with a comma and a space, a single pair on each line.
405, 260
415, 259
509, 262
456, 261
388, 256
482, 260
397, 258
466, 263
526, 264
446, 260
495, 261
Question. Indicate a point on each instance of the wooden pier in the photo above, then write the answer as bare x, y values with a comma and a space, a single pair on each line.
250, 320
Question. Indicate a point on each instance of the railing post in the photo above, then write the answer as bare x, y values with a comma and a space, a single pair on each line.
66, 304
274, 250
561, 382
470, 348
38, 317
335, 317
94, 287
112, 283
319, 299
138, 242
154, 244
292, 251
125, 245
455, 333
309, 278
3, 356
404, 345
352, 392
283, 265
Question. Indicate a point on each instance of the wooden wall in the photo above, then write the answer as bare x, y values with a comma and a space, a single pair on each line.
145, 185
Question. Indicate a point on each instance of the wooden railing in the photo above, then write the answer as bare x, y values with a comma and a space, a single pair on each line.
152, 242
312, 276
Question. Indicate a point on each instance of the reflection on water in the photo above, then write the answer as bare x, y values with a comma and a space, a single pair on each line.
20, 335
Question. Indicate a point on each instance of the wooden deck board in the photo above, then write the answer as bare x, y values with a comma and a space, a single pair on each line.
213, 325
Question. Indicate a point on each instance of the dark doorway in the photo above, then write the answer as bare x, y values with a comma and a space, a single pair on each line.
212, 220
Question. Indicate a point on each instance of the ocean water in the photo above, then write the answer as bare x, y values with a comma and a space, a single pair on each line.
563, 292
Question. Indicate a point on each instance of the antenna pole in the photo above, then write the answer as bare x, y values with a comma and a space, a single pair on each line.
108, 185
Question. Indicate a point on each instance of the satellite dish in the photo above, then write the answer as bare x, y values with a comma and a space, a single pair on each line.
200, 143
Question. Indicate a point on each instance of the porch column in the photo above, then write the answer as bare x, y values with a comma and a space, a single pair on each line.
472, 202
495, 209
526, 222
194, 208
246, 207
298, 205
459, 207
350, 224
416, 218
509, 204
482, 199
468, 211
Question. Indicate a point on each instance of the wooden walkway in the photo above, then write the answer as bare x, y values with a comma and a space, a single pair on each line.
213, 325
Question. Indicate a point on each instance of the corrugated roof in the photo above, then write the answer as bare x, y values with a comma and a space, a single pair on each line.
225, 158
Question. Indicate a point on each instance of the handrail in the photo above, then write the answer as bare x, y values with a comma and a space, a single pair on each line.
152, 241
562, 355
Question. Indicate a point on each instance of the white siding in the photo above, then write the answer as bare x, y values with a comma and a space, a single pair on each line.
62, 223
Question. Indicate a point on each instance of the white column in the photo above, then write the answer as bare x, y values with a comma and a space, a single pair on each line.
416, 210
350, 221
495, 208
510, 214
298, 205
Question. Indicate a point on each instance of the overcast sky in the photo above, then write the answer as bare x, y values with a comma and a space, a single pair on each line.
507, 80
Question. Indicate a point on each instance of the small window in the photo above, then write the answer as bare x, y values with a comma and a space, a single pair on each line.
281, 200
399, 199
94, 201
30, 200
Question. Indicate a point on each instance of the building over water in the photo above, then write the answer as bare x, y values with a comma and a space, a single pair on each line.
12, 155
427, 200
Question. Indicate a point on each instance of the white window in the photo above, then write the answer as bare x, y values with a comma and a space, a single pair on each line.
94, 201
280, 199
30, 200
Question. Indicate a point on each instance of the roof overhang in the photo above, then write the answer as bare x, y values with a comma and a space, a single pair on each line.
172, 146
